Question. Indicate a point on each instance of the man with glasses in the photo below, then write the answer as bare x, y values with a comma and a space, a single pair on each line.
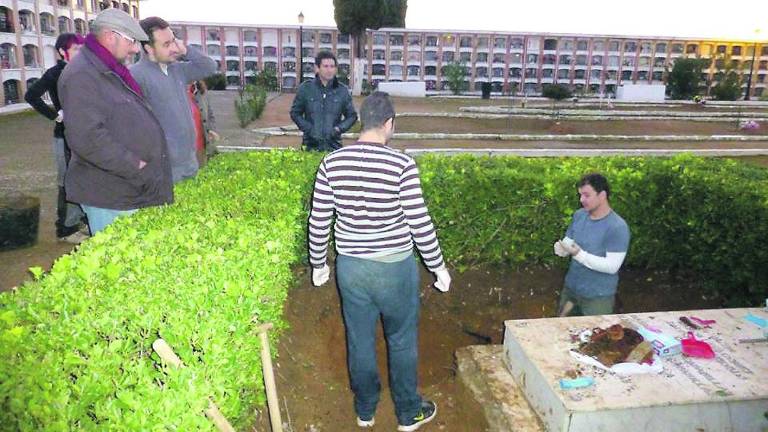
164, 72
119, 155
375, 193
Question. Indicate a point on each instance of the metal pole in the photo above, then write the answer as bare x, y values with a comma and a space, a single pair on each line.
751, 69
300, 57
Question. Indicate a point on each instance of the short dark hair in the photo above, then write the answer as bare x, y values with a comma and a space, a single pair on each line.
598, 182
322, 55
66, 40
376, 110
149, 25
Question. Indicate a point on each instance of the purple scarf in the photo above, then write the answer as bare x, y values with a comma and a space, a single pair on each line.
115, 66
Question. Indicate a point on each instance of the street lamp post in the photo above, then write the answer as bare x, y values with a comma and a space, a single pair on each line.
751, 67
300, 55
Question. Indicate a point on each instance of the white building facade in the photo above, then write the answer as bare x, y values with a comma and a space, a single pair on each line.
519, 63
28, 32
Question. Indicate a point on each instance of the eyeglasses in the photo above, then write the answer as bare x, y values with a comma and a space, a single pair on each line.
122, 35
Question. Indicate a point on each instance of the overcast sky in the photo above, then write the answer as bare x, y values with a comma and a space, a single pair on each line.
737, 19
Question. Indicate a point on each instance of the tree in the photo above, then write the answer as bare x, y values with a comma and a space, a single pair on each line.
216, 81
728, 85
355, 16
267, 79
394, 13
454, 74
683, 80
556, 92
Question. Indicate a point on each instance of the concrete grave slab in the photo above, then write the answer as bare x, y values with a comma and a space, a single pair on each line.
728, 393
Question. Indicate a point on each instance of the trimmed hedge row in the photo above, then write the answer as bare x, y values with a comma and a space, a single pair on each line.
701, 217
75, 346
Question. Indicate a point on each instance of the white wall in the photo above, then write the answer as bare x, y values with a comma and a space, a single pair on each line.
641, 92
408, 89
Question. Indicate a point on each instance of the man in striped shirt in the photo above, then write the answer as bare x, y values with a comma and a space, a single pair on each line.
375, 192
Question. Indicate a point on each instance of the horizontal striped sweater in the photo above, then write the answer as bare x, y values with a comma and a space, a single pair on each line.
375, 192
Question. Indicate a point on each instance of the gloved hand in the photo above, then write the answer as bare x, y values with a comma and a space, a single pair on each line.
443, 282
60, 116
570, 246
560, 249
320, 275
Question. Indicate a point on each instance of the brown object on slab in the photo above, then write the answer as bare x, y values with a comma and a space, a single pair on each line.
615, 344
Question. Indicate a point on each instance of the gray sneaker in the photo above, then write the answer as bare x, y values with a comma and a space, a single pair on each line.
75, 238
85, 230
426, 413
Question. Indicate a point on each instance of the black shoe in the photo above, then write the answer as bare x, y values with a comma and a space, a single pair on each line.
427, 412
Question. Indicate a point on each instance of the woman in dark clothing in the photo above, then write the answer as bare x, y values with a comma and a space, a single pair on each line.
68, 215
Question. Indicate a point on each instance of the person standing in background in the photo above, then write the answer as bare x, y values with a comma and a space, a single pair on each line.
69, 215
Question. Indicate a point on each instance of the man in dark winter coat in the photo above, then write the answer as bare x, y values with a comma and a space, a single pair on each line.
323, 107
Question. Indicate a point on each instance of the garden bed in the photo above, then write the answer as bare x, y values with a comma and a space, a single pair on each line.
311, 369
201, 272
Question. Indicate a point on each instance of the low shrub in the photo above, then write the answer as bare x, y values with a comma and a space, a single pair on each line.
250, 104
702, 218
216, 81
75, 346
243, 110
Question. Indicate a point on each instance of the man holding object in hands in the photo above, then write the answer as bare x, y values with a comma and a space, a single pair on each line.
597, 242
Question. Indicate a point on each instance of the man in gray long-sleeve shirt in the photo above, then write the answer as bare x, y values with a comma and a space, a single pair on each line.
164, 79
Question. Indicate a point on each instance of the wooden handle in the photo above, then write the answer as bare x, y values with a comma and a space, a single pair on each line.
269, 379
213, 413
264, 328
165, 352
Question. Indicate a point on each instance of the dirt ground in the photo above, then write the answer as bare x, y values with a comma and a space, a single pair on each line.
277, 115
311, 375
27, 167
311, 367
537, 126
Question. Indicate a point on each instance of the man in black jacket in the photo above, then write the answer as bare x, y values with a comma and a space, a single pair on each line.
68, 215
323, 108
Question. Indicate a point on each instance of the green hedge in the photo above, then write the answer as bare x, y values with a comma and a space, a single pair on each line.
75, 346
700, 217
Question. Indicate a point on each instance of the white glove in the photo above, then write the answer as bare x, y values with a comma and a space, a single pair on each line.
60, 116
560, 249
443, 282
320, 275
570, 246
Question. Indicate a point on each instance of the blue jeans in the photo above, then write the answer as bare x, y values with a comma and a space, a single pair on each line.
99, 218
370, 289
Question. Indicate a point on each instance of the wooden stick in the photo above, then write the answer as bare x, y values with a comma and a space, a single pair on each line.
166, 354
218, 419
269, 379
567, 308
